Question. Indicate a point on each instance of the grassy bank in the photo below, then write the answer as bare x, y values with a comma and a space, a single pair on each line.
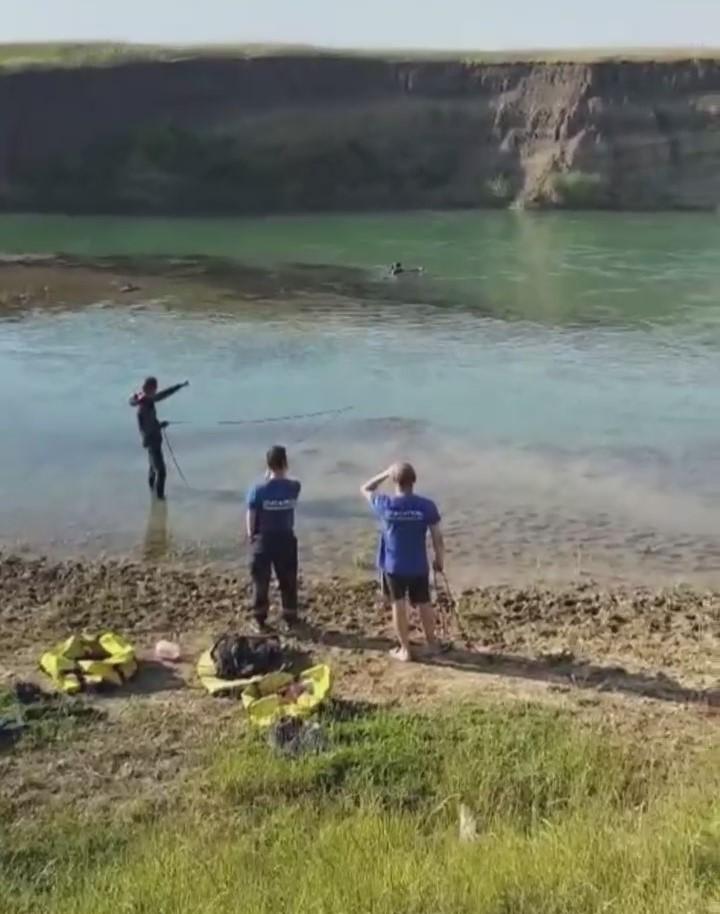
568, 817
19, 55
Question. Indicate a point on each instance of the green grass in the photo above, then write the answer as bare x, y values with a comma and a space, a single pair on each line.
103, 53
48, 720
570, 821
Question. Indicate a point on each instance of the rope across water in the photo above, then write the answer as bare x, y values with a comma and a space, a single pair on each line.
328, 415
263, 421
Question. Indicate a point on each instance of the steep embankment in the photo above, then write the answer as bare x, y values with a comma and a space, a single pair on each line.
307, 132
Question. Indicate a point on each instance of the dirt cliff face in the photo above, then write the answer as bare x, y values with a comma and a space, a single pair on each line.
322, 132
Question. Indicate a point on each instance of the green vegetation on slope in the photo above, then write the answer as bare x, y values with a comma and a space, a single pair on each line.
569, 821
381, 158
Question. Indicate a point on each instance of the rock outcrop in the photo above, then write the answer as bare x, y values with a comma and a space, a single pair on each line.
314, 132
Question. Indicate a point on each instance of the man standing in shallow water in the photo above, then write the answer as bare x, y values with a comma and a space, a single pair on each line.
405, 519
151, 430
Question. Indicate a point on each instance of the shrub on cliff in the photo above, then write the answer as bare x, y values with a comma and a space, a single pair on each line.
580, 189
499, 190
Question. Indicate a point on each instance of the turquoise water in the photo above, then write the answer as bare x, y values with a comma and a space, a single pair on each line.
554, 377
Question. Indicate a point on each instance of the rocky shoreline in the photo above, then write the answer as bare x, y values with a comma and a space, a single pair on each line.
663, 643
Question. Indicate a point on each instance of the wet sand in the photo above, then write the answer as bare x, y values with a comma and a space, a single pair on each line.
64, 281
644, 662
662, 643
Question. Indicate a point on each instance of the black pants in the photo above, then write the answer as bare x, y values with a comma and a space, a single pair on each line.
158, 472
278, 552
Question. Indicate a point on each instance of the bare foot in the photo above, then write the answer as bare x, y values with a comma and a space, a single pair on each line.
402, 654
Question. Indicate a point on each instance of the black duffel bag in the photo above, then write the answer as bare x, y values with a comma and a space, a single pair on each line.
243, 656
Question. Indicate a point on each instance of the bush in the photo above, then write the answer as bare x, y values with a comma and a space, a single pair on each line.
499, 189
580, 189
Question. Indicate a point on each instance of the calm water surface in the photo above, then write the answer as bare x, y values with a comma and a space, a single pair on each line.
556, 379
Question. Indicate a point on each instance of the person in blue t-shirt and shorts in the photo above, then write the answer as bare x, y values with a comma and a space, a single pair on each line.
405, 519
270, 525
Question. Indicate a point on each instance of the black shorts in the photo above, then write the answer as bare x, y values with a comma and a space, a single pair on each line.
400, 586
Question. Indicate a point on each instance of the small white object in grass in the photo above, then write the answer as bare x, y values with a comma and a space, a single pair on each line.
468, 824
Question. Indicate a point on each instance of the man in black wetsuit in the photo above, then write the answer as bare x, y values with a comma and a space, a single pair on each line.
151, 430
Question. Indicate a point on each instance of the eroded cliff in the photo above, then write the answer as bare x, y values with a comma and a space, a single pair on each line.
312, 132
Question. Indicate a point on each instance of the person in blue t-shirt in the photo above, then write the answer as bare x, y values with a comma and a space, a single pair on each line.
405, 519
270, 525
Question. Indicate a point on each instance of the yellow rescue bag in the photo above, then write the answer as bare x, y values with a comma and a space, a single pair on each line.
209, 679
272, 696
83, 661
281, 695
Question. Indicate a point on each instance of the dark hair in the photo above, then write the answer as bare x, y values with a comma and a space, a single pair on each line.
277, 458
150, 381
404, 475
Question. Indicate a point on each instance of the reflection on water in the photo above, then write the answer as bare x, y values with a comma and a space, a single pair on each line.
156, 544
555, 380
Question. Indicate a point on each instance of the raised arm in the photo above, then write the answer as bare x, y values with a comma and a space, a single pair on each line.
372, 484
169, 391
438, 544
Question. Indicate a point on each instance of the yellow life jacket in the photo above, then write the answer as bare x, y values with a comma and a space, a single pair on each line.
268, 698
89, 661
282, 695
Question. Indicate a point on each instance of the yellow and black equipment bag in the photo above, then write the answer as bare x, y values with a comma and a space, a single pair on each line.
89, 662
